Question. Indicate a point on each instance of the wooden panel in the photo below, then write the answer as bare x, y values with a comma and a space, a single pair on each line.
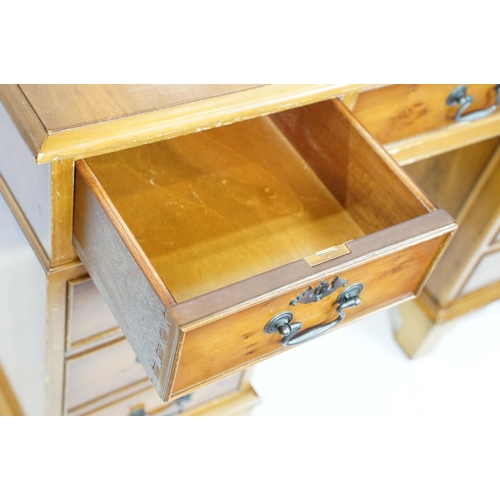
100, 372
88, 313
360, 174
66, 106
63, 188
118, 121
240, 201
449, 178
130, 220
236, 201
30, 183
124, 285
149, 402
23, 301
397, 112
239, 403
238, 340
477, 226
486, 273
23, 115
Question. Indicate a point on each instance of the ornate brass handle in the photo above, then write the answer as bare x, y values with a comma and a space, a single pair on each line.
291, 332
459, 96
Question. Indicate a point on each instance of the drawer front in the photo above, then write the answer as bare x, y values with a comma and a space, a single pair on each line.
101, 372
398, 112
486, 273
239, 339
88, 314
197, 242
148, 402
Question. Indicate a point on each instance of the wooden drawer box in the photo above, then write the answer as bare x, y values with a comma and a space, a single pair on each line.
197, 242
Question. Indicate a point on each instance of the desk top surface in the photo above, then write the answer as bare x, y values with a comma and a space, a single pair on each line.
75, 121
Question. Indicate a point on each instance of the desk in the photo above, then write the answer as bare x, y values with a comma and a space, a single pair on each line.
46, 354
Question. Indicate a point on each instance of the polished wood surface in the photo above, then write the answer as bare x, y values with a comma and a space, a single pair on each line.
207, 216
62, 194
214, 208
61, 107
100, 372
138, 114
352, 165
477, 221
148, 401
88, 314
238, 340
449, 178
240, 200
397, 112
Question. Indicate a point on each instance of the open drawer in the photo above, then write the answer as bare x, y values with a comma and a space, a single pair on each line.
218, 249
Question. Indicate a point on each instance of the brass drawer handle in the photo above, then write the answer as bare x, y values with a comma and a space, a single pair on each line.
291, 332
459, 96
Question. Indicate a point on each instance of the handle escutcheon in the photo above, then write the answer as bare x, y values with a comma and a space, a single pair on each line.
459, 97
292, 333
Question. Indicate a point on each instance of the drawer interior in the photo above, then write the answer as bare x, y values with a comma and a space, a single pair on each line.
213, 208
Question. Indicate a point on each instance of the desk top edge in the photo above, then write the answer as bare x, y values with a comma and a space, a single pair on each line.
141, 115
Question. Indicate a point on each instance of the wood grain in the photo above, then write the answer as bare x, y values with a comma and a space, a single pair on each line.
24, 117
149, 402
240, 199
68, 106
224, 205
448, 179
125, 286
397, 112
100, 372
444, 140
477, 221
88, 315
238, 340
125, 124
360, 174
62, 194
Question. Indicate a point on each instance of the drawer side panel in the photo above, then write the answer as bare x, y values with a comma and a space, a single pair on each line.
125, 289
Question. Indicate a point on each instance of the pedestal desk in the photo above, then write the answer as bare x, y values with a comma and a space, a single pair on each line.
157, 241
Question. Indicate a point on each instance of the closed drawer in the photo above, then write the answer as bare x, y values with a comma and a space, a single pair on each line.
398, 112
198, 242
148, 403
99, 373
88, 314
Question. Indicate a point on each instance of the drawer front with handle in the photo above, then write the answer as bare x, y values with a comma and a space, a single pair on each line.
199, 242
398, 112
